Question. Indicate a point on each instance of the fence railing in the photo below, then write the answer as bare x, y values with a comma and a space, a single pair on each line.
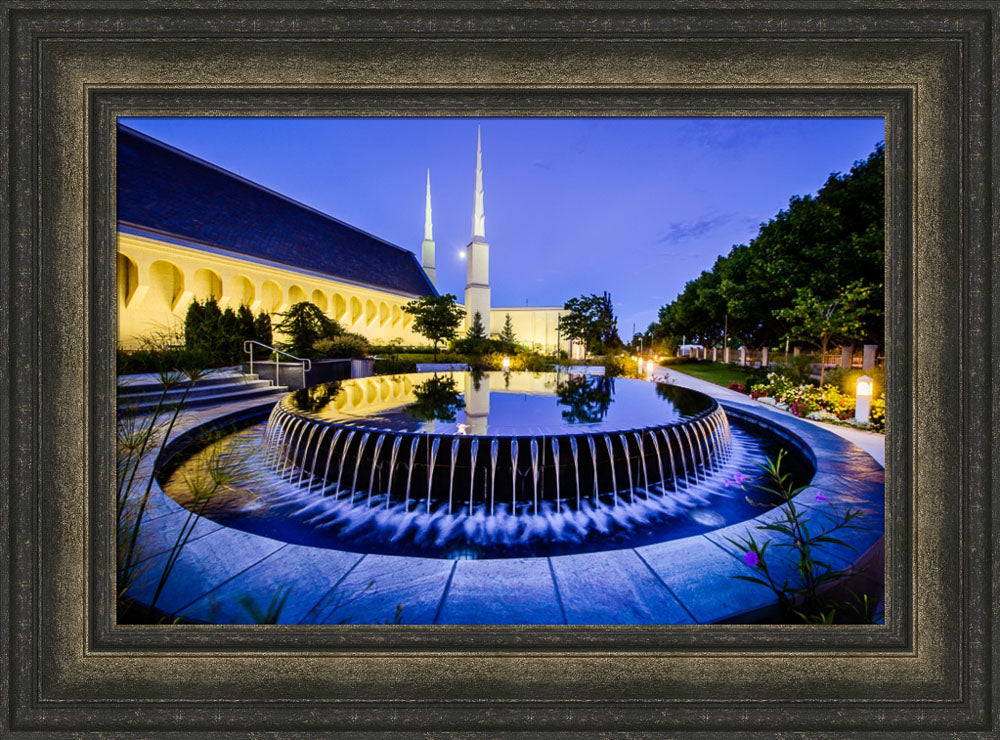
757, 358
305, 362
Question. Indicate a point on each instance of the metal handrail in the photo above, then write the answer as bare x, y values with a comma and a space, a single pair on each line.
306, 362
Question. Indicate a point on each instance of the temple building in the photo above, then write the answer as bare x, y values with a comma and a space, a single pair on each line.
189, 230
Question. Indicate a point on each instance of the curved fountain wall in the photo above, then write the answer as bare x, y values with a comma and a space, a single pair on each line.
382, 467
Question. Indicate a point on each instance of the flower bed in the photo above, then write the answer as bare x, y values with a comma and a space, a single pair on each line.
826, 403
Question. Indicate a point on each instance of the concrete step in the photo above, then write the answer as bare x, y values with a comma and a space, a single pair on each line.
149, 382
225, 394
196, 391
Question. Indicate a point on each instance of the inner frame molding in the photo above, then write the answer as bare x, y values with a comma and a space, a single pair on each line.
69, 73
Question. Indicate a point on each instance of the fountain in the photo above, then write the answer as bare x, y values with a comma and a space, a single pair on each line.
494, 465
429, 415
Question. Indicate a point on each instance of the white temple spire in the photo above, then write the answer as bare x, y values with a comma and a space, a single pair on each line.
477, 285
427, 248
479, 213
428, 226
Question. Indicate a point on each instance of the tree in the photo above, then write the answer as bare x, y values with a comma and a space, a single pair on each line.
304, 324
231, 342
262, 331
476, 329
814, 319
204, 330
819, 242
436, 317
591, 320
507, 336
194, 325
244, 318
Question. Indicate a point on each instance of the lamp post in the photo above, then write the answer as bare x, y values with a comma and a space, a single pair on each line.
863, 399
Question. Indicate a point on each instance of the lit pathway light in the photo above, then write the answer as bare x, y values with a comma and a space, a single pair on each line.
863, 399
506, 364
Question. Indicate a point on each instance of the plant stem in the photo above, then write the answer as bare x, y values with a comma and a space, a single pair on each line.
130, 551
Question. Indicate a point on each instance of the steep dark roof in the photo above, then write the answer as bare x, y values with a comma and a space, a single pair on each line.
166, 190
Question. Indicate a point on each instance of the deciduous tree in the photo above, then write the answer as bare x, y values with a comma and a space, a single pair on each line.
436, 317
812, 318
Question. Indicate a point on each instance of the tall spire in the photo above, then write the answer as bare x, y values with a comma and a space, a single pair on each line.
479, 214
477, 260
428, 227
427, 248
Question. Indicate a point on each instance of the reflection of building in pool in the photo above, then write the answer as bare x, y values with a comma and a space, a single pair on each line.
385, 392
190, 230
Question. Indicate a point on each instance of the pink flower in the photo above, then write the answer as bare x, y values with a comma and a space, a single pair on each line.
751, 559
738, 478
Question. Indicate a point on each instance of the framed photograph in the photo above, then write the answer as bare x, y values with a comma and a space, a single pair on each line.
691, 435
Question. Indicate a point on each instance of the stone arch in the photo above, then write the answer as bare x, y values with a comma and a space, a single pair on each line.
242, 291
270, 296
319, 298
355, 309
370, 311
296, 294
128, 278
397, 315
206, 284
339, 306
166, 281
383, 313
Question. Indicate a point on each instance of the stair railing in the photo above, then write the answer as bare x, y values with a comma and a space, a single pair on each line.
306, 363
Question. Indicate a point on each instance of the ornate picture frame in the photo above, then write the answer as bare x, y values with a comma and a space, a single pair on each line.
70, 70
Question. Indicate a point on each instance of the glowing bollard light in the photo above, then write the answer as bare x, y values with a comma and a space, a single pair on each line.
649, 370
863, 400
640, 361
506, 364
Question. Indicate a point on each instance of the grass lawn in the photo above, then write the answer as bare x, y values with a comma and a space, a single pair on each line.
714, 372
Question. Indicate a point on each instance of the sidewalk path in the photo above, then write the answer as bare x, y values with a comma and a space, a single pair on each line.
871, 442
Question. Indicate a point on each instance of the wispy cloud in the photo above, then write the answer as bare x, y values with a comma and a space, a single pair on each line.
541, 164
681, 231
723, 135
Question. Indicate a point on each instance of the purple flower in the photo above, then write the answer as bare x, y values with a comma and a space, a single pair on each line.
751, 559
738, 478
726, 482
821, 497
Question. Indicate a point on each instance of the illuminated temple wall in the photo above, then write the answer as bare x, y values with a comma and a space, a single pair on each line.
157, 280
536, 328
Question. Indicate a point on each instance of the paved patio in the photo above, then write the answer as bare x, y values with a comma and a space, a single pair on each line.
687, 581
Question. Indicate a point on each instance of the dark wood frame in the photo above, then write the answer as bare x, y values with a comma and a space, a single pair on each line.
69, 68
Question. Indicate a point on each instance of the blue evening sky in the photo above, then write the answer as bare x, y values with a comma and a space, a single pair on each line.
634, 206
